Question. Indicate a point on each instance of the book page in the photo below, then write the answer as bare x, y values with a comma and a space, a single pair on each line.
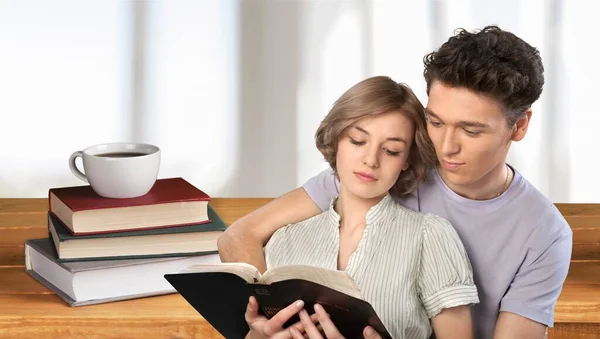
334, 279
243, 270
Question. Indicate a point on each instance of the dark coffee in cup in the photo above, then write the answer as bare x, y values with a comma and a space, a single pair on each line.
121, 155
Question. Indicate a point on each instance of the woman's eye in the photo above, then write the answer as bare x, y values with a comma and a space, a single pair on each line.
356, 142
392, 153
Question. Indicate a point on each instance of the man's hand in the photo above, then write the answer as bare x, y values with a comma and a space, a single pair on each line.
327, 327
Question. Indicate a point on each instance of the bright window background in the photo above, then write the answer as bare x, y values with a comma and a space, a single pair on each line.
233, 91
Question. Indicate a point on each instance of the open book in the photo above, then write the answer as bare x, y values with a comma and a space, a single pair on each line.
220, 292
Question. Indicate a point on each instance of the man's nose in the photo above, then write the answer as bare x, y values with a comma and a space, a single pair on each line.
450, 143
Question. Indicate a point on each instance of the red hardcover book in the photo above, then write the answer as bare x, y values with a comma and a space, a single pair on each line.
171, 202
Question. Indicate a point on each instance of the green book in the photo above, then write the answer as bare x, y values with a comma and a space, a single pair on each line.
158, 242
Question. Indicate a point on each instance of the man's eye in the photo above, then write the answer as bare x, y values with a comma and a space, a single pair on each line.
434, 123
471, 133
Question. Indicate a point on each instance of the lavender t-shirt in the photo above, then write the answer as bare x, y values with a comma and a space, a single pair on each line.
518, 243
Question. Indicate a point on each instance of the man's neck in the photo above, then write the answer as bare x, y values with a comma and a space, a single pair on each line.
488, 187
352, 209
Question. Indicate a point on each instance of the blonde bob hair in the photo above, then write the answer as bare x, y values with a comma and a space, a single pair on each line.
372, 96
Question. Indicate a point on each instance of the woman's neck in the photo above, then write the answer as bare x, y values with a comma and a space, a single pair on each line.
352, 209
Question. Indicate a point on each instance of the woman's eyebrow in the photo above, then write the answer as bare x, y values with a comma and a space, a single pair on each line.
398, 139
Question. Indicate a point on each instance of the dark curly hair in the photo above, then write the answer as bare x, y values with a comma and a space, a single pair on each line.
378, 95
493, 62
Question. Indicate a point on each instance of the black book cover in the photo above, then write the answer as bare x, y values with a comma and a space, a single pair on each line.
221, 298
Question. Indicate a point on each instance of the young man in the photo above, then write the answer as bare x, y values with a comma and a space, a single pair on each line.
481, 87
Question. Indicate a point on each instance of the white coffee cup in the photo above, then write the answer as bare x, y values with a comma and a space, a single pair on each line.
120, 169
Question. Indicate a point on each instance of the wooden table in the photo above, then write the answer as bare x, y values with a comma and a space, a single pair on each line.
28, 309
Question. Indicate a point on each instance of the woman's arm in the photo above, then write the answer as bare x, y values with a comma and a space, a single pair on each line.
453, 323
243, 241
446, 281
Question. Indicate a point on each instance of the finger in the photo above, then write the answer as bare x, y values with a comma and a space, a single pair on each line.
251, 310
309, 326
275, 324
295, 333
328, 327
314, 319
369, 333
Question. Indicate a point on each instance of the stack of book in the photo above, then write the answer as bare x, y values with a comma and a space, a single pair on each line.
100, 249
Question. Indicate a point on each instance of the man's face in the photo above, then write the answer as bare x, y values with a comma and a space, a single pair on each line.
470, 135
372, 153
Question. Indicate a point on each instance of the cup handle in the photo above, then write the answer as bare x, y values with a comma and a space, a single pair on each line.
73, 165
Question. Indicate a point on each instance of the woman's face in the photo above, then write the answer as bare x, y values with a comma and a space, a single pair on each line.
372, 153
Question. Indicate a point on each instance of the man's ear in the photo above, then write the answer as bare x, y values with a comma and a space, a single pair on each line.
521, 126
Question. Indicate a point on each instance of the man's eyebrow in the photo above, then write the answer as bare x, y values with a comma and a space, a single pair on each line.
472, 124
398, 139
430, 112
462, 123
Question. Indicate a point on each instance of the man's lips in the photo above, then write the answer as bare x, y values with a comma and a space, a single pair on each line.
451, 165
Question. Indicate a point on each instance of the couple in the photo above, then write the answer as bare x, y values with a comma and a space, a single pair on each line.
419, 206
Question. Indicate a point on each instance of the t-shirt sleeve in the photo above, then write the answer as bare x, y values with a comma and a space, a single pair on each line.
538, 282
445, 275
322, 188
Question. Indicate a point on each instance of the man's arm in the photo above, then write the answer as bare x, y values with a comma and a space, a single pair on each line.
510, 325
527, 308
243, 241
453, 323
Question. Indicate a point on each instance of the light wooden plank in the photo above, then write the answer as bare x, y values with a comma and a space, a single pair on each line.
19, 220
23, 205
586, 236
591, 222
17, 236
14, 280
586, 252
574, 331
584, 273
12, 256
578, 303
47, 316
578, 209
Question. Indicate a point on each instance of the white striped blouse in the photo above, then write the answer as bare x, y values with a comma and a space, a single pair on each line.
408, 265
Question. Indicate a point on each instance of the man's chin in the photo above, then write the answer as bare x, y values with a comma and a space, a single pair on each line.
453, 178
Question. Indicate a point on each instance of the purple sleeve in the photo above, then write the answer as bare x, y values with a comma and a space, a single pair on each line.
538, 282
322, 188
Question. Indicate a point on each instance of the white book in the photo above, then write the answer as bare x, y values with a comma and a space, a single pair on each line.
82, 283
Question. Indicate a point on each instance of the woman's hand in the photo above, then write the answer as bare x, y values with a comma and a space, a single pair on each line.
327, 327
261, 327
